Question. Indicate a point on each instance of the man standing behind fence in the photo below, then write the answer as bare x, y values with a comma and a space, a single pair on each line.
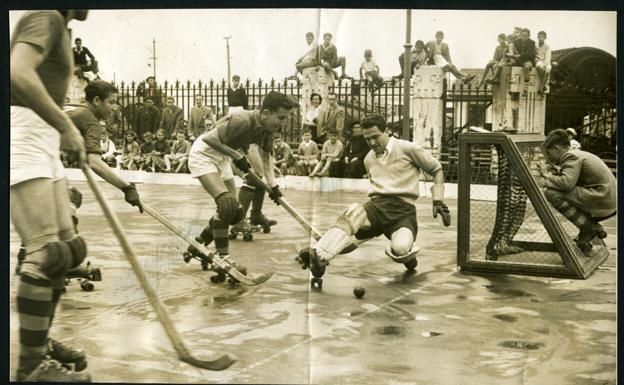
237, 97
171, 119
332, 118
147, 119
199, 113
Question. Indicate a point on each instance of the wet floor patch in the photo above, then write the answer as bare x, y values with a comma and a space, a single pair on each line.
507, 291
406, 301
506, 317
521, 345
390, 330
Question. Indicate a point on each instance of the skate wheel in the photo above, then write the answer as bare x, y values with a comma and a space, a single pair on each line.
411, 265
266, 230
247, 237
586, 247
232, 236
86, 286
80, 365
187, 257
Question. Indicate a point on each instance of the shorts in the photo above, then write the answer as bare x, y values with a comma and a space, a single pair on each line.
35, 148
235, 108
209, 161
541, 64
440, 61
386, 215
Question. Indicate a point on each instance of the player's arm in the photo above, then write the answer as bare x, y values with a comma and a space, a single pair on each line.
28, 87
215, 139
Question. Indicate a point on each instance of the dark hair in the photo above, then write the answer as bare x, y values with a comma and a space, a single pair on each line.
309, 34
419, 43
149, 98
439, 33
556, 137
277, 135
332, 131
170, 97
526, 30
332, 93
502, 36
374, 120
77, 40
306, 131
355, 122
235, 77
150, 77
99, 88
327, 34
274, 100
542, 33
319, 95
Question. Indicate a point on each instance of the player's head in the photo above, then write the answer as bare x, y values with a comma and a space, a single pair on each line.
235, 81
502, 38
541, 36
100, 97
160, 134
332, 99
368, 54
309, 38
199, 100
439, 36
332, 134
307, 136
316, 99
374, 131
356, 128
327, 37
76, 14
275, 110
170, 101
555, 145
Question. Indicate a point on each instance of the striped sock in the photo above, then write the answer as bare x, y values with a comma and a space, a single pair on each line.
573, 214
35, 307
220, 233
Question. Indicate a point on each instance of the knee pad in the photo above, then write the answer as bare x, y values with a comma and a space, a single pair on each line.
62, 256
352, 219
228, 209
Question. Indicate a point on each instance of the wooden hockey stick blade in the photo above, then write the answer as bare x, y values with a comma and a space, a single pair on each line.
229, 269
220, 363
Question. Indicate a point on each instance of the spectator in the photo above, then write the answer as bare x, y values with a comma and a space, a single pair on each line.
497, 62
109, 151
525, 56
370, 70
151, 91
114, 119
331, 118
330, 156
171, 119
236, 95
179, 153
310, 120
542, 63
419, 57
357, 148
161, 148
199, 113
130, 154
574, 144
81, 63
209, 124
283, 154
147, 151
311, 58
147, 119
440, 55
308, 153
330, 58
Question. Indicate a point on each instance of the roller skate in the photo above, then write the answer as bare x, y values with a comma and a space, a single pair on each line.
50, 370
74, 359
192, 253
222, 274
587, 234
86, 274
262, 221
243, 227
308, 258
408, 260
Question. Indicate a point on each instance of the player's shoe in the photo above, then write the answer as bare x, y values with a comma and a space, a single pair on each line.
263, 221
241, 227
50, 370
67, 355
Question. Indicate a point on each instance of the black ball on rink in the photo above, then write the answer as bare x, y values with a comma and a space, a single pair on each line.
359, 291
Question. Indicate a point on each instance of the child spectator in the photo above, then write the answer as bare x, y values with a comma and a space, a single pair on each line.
108, 149
179, 153
147, 149
418, 58
574, 144
161, 148
130, 154
357, 148
370, 70
283, 154
330, 157
498, 60
308, 154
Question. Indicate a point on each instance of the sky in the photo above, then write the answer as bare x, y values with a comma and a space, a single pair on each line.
265, 43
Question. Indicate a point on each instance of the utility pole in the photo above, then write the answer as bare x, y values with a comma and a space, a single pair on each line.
407, 69
227, 46
153, 57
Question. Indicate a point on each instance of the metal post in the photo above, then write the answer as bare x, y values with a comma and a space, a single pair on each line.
407, 75
227, 46
154, 56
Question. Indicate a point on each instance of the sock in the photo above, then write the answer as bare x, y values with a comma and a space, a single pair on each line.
220, 234
245, 195
257, 202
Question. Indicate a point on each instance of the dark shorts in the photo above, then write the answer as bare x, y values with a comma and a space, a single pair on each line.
386, 215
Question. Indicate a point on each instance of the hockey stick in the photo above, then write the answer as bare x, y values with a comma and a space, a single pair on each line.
221, 263
220, 363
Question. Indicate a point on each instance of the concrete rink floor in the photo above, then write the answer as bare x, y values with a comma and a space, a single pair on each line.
439, 326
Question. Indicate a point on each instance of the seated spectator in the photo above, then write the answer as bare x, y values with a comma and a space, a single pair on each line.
109, 151
81, 63
498, 60
542, 61
357, 148
369, 70
525, 54
330, 58
308, 154
330, 157
440, 55
283, 154
161, 148
179, 154
130, 153
310, 119
574, 144
418, 58
147, 151
311, 58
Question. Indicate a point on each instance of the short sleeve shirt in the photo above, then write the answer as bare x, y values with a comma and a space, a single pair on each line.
89, 127
369, 65
47, 31
330, 53
243, 128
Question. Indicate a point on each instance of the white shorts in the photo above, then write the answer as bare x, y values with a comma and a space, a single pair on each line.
541, 64
235, 108
439, 60
35, 147
209, 161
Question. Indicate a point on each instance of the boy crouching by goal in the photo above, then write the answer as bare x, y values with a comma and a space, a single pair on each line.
211, 153
393, 167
